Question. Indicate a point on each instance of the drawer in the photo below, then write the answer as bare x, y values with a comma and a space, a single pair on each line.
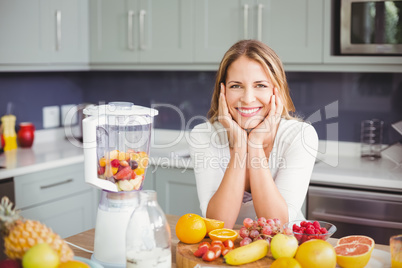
68, 216
39, 187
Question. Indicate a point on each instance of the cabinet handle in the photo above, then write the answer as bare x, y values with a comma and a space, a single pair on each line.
130, 44
259, 21
355, 220
142, 29
56, 184
58, 30
245, 21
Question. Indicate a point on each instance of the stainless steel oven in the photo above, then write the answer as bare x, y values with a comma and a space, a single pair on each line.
374, 213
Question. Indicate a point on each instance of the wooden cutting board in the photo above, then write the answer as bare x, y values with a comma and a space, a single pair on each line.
185, 257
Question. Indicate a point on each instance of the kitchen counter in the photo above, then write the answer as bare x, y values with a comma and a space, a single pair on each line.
86, 240
341, 165
338, 163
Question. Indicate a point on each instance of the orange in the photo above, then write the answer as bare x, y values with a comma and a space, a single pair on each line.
285, 262
316, 253
223, 234
357, 239
190, 228
353, 255
212, 224
73, 264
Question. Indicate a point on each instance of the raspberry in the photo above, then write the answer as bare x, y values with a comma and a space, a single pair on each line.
310, 231
323, 230
316, 225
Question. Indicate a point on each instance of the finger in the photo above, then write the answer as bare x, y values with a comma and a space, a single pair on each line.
279, 103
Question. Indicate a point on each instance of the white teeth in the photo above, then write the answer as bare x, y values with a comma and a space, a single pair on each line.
248, 111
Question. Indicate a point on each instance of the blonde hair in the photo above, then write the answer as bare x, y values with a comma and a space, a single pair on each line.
264, 55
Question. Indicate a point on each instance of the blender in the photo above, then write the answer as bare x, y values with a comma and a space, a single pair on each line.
116, 140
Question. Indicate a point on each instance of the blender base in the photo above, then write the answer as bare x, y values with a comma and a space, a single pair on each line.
107, 265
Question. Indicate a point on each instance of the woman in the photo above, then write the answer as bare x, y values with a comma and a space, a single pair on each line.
252, 159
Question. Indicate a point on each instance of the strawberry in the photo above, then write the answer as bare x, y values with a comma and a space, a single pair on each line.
199, 253
217, 242
115, 163
228, 244
209, 256
204, 244
124, 173
217, 249
225, 251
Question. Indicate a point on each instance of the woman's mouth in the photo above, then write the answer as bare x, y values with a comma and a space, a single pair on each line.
247, 112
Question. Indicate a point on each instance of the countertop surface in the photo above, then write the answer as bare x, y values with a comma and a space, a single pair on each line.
86, 240
338, 163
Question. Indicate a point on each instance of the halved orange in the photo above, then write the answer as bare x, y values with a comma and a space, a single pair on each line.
223, 234
212, 224
353, 255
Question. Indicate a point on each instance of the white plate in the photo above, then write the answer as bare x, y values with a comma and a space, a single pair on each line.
379, 259
92, 264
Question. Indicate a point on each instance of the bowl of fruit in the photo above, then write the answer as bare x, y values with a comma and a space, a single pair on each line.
307, 230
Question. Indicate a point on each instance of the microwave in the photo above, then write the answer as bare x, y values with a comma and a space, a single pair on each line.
371, 27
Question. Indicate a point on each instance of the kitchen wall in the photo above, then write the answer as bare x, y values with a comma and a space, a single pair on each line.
338, 99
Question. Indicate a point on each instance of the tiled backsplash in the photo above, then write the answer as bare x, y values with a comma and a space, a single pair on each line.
329, 101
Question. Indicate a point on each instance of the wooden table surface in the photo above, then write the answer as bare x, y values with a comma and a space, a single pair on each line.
86, 240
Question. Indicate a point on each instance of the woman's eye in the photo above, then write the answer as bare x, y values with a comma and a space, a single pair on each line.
261, 86
235, 86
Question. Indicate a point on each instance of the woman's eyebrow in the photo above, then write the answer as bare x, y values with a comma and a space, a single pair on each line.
234, 82
262, 81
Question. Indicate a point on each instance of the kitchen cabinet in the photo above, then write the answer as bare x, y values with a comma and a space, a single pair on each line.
141, 31
59, 198
43, 32
292, 28
176, 189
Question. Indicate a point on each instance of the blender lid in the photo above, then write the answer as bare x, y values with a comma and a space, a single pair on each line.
120, 108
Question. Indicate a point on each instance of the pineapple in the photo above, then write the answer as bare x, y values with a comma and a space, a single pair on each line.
22, 234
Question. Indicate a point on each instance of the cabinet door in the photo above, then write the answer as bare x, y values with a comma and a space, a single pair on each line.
177, 191
21, 32
166, 31
294, 29
68, 216
67, 28
114, 31
218, 25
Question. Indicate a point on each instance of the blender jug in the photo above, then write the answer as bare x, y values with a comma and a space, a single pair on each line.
116, 145
116, 148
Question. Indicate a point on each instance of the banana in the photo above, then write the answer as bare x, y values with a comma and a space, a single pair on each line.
252, 252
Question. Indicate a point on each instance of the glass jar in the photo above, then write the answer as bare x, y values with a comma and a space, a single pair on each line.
26, 134
148, 240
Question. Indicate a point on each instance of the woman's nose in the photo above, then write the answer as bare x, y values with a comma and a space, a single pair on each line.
248, 96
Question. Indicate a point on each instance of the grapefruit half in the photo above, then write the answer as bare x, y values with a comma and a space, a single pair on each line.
353, 255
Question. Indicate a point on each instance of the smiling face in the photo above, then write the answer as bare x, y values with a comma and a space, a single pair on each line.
248, 92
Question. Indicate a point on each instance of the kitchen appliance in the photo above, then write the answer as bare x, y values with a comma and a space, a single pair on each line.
73, 122
357, 211
371, 27
116, 148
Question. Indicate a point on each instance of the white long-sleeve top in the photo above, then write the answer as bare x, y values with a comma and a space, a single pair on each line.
291, 163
